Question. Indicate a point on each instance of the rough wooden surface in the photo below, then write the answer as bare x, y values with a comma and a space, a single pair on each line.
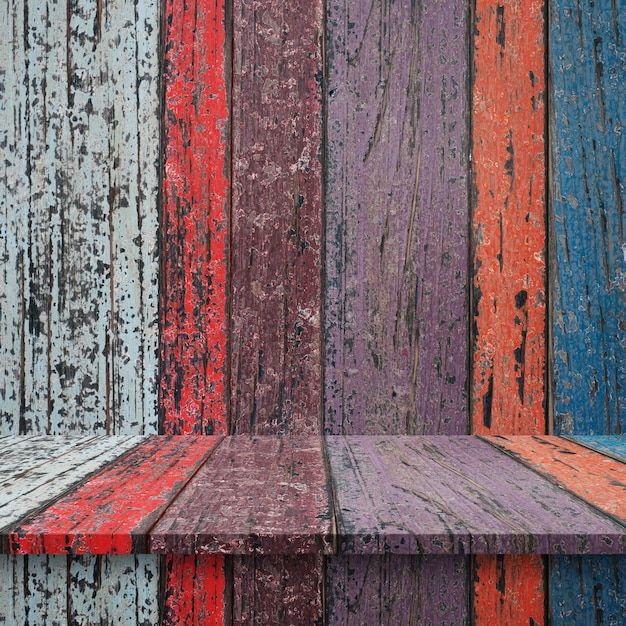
396, 206
57, 590
79, 128
262, 495
458, 495
34, 471
609, 445
397, 589
112, 512
276, 217
194, 325
588, 63
593, 477
508, 224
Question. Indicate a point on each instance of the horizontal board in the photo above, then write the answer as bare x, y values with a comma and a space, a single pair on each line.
256, 494
599, 480
443, 495
113, 511
609, 445
36, 470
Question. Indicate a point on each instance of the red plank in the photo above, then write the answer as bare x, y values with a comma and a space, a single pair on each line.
261, 495
195, 223
112, 512
276, 217
596, 478
194, 590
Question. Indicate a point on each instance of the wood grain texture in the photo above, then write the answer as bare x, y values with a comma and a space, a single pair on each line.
278, 590
195, 219
34, 471
261, 495
396, 207
588, 591
593, 477
112, 512
588, 63
397, 589
608, 445
58, 590
276, 217
80, 124
194, 590
457, 495
508, 224
509, 589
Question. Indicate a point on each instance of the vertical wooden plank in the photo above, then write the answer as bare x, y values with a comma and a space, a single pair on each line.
588, 168
84, 99
195, 590
588, 590
399, 589
509, 280
396, 248
276, 217
195, 218
396, 266
588, 63
195, 226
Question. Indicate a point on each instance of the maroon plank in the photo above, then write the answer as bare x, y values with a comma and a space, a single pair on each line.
442, 495
112, 511
276, 217
259, 495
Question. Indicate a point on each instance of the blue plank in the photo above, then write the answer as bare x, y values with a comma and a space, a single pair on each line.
614, 447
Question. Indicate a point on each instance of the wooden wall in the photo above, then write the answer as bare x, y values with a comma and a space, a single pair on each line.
350, 216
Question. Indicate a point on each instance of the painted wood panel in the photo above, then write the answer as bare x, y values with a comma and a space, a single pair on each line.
79, 218
112, 512
396, 261
37, 470
396, 201
194, 323
458, 495
399, 589
588, 63
276, 217
261, 495
609, 445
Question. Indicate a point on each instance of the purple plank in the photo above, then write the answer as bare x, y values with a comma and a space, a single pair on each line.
397, 218
262, 495
398, 589
456, 495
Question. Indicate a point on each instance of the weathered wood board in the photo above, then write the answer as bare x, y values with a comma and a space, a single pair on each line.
458, 495
194, 325
276, 217
112, 512
261, 495
609, 445
79, 129
598, 479
34, 471
588, 151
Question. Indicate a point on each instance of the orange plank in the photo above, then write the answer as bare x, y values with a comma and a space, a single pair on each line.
509, 218
598, 479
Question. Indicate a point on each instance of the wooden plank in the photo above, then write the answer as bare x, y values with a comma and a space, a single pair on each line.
599, 480
37, 470
194, 590
396, 198
587, 63
456, 495
399, 589
276, 217
509, 589
113, 511
609, 445
82, 314
508, 165
195, 218
261, 495
588, 590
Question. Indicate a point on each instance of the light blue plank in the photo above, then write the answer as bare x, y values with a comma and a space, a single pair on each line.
614, 447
